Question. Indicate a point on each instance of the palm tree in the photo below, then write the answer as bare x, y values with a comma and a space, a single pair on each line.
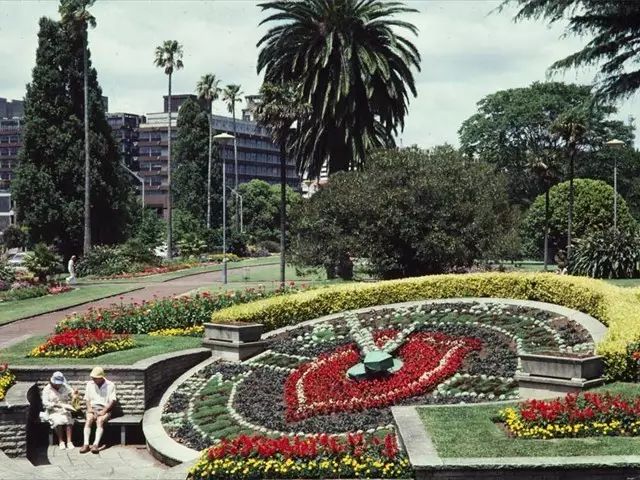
208, 89
572, 128
279, 108
232, 95
74, 13
355, 72
169, 57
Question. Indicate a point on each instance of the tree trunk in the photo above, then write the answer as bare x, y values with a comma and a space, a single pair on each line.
570, 219
87, 163
169, 226
283, 208
209, 167
235, 161
546, 228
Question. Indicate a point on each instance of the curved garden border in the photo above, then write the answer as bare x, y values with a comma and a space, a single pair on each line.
595, 328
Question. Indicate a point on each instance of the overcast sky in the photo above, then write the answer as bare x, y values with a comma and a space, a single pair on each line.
467, 52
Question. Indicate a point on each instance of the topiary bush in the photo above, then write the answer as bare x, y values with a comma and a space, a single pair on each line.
607, 254
593, 212
616, 307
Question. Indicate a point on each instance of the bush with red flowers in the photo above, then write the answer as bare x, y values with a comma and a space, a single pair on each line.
584, 415
82, 343
322, 456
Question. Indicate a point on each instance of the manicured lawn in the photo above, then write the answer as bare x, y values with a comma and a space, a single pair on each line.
146, 346
625, 282
18, 309
271, 273
470, 431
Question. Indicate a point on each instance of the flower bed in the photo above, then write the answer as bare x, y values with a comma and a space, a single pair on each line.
618, 308
584, 415
7, 379
25, 290
316, 457
82, 343
195, 331
165, 313
153, 270
451, 353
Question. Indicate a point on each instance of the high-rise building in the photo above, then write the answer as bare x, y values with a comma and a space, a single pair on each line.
11, 108
10, 143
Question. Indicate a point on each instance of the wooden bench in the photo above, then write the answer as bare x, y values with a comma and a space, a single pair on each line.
123, 421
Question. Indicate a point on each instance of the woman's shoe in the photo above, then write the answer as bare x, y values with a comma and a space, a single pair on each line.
70, 446
62, 446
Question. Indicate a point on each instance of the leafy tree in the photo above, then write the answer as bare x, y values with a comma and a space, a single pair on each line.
184, 223
353, 69
14, 237
208, 88
48, 185
150, 229
517, 129
42, 262
614, 30
78, 19
593, 211
261, 209
191, 164
168, 56
411, 212
231, 95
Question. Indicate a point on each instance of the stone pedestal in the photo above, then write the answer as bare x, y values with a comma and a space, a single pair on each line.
234, 341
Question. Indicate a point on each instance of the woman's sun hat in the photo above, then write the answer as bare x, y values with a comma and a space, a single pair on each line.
97, 372
58, 378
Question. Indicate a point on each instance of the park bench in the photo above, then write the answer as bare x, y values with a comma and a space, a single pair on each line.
122, 421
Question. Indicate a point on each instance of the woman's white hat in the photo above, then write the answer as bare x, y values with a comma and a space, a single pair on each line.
58, 378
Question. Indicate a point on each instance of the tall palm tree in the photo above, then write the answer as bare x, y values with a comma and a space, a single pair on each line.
572, 128
208, 88
168, 56
354, 70
232, 95
279, 108
74, 13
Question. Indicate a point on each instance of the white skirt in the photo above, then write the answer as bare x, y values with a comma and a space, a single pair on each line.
57, 418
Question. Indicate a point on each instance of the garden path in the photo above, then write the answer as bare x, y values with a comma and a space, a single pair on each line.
43, 324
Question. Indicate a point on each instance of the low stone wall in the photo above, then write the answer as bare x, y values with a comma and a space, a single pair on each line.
20, 405
137, 385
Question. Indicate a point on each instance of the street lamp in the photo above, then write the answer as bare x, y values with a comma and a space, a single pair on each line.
137, 177
238, 197
615, 143
224, 138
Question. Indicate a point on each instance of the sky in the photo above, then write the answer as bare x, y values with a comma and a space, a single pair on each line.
468, 51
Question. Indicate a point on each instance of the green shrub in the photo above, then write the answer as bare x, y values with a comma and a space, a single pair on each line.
105, 260
24, 293
593, 212
218, 257
191, 245
43, 262
270, 246
607, 254
616, 307
7, 276
14, 237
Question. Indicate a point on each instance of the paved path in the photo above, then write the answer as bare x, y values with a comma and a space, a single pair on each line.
44, 324
132, 462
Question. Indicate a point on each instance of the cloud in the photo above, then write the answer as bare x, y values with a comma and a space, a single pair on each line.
467, 52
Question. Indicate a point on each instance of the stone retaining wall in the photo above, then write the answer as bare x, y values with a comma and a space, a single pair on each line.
139, 387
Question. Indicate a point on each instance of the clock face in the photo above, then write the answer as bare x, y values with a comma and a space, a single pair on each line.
344, 375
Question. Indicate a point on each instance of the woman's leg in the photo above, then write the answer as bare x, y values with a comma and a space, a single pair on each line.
69, 427
58, 430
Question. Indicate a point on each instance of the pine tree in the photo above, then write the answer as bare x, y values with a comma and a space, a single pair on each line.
191, 165
48, 188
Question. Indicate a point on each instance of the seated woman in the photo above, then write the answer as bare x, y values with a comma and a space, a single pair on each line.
57, 398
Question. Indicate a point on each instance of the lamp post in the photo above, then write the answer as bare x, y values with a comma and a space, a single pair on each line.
238, 197
224, 138
615, 143
137, 177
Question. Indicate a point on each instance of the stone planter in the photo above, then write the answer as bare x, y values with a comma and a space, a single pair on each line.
233, 332
586, 368
546, 376
234, 341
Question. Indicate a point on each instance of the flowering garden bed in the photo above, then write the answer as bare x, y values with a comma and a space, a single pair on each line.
575, 416
301, 385
6, 380
26, 290
82, 343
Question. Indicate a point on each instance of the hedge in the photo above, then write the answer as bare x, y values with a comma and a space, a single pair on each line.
618, 308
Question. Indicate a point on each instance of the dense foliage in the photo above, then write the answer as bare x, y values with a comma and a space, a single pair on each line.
7, 379
43, 262
149, 228
411, 212
515, 131
191, 166
48, 187
14, 237
593, 212
354, 71
131, 256
607, 254
613, 29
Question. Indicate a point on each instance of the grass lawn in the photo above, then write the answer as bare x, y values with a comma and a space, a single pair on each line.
146, 346
470, 432
625, 282
163, 277
18, 309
